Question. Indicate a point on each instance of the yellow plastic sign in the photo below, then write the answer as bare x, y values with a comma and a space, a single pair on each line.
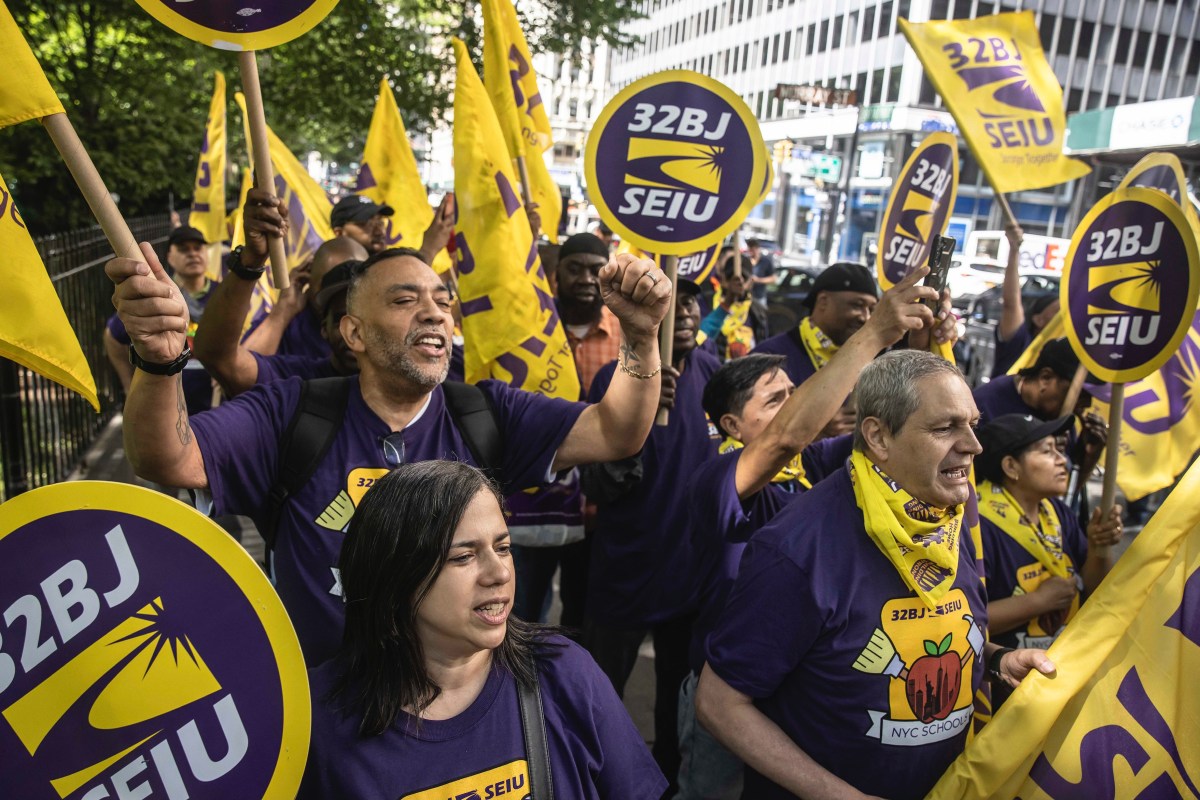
239, 26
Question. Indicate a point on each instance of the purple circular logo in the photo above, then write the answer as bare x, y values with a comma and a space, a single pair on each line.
140, 655
919, 208
240, 16
675, 162
238, 24
1131, 285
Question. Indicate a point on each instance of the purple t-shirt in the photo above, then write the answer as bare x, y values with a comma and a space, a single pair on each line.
644, 567
277, 367
240, 444
723, 523
999, 397
1010, 565
302, 337
821, 630
799, 366
1007, 352
595, 751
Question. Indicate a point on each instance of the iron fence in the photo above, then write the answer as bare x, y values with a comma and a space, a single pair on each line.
46, 429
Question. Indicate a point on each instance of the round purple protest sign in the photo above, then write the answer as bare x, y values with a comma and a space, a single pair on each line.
239, 24
142, 653
918, 209
1130, 285
675, 162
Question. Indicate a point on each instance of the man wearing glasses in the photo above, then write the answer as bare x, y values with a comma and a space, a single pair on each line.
398, 325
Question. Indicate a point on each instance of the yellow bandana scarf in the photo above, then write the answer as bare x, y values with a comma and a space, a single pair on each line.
1043, 541
739, 338
794, 471
820, 348
920, 540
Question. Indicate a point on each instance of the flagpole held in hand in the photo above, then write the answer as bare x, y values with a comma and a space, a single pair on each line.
62, 133
264, 173
666, 331
1116, 408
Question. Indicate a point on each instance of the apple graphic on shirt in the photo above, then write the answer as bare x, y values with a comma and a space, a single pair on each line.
934, 681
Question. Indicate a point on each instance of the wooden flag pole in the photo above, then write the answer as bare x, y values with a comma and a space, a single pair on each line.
666, 331
1005, 208
264, 173
62, 133
1073, 392
737, 254
1116, 409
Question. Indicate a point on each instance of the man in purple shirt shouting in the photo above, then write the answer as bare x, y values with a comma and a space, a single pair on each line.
399, 326
854, 632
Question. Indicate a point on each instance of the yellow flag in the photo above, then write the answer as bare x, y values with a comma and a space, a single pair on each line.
995, 80
308, 206
510, 324
24, 91
389, 176
208, 195
1119, 719
512, 86
34, 330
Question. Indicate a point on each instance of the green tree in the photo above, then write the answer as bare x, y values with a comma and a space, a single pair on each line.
138, 93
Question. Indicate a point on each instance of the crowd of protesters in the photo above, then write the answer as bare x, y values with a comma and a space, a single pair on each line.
799, 542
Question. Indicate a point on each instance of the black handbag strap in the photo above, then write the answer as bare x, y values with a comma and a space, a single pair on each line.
537, 751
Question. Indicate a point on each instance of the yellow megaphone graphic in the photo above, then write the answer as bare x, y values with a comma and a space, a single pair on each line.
674, 165
1129, 286
154, 670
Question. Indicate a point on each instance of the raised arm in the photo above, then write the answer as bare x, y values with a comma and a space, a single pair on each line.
218, 342
158, 437
814, 402
118, 356
639, 295
1012, 314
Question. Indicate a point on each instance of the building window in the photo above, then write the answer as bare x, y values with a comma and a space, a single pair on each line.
787, 46
823, 37
869, 24
564, 151
812, 35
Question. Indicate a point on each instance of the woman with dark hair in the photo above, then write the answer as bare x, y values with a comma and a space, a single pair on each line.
423, 701
1038, 560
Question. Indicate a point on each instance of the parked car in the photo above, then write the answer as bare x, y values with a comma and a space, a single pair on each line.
785, 297
978, 352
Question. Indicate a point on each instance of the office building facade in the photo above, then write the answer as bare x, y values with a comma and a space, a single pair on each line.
827, 202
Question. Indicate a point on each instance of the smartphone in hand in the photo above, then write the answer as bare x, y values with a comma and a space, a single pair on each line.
939, 269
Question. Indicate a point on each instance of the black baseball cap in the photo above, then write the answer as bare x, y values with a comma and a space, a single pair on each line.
185, 233
587, 243
336, 281
844, 276
686, 286
1010, 434
358, 209
1057, 356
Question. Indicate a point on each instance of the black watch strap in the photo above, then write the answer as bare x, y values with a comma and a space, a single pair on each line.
241, 270
161, 369
994, 661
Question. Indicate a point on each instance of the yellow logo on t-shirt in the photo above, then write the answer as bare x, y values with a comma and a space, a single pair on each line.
507, 781
1043, 629
337, 514
932, 656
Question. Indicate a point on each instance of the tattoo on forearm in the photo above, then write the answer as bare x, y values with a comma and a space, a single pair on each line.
182, 427
628, 354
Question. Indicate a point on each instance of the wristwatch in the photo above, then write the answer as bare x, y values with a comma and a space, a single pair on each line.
161, 369
241, 270
994, 661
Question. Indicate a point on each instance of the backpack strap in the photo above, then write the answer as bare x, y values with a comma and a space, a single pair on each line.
311, 431
537, 750
476, 420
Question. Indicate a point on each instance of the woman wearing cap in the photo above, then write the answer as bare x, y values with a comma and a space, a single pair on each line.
1037, 558
425, 699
